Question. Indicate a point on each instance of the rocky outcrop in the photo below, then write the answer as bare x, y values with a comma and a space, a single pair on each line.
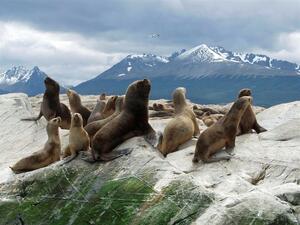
259, 185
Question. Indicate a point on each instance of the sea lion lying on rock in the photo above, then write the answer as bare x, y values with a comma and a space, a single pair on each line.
222, 133
51, 106
181, 128
248, 120
44, 157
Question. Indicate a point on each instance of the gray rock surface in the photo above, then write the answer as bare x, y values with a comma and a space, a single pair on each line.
259, 185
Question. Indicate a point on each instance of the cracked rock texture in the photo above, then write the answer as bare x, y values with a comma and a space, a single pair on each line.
259, 185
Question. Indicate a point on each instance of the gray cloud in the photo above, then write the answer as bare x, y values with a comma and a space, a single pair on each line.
116, 27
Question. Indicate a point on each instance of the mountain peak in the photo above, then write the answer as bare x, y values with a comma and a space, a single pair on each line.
201, 53
19, 74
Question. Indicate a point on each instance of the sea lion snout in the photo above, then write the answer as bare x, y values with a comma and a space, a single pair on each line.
56, 120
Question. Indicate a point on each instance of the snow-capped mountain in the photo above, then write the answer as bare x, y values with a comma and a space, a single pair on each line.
212, 75
21, 79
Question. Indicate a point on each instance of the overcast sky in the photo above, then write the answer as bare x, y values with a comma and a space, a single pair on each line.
76, 40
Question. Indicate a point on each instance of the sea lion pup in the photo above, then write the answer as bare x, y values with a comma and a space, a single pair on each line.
97, 111
131, 122
51, 106
181, 128
222, 133
248, 120
44, 157
93, 127
77, 107
78, 138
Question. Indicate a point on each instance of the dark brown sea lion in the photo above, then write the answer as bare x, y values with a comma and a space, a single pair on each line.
44, 157
51, 106
182, 127
94, 126
77, 107
131, 122
248, 120
222, 133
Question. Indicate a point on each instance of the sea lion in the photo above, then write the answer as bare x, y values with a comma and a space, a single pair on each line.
102, 96
222, 133
182, 127
78, 138
97, 111
109, 108
131, 122
51, 106
211, 119
77, 107
93, 127
44, 157
248, 120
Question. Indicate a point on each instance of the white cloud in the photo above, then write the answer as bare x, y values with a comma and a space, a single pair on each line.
68, 57
287, 47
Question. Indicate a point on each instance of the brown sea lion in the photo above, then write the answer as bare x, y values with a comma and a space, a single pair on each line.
109, 108
131, 122
93, 127
102, 96
182, 127
44, 157
78, 138
162, 107
248, 120
199, 113
97, 111
77, 107
211, 119
51, 106
222, 133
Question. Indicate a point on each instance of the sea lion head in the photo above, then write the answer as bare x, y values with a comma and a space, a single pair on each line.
51, 85
243, 102
245, 92
73, 97
77, 120
160, 107
102, 96
139, 89
111, 104
119, 103
179, 98
53, 124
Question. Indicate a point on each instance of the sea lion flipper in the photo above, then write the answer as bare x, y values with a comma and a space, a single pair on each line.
114, 155
258, 128
69, 159
36, 118
85, 156
218, 157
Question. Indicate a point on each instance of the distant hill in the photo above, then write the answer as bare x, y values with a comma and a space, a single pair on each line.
211, 74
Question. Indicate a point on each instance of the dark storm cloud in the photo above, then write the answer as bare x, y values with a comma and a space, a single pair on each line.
232, 23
